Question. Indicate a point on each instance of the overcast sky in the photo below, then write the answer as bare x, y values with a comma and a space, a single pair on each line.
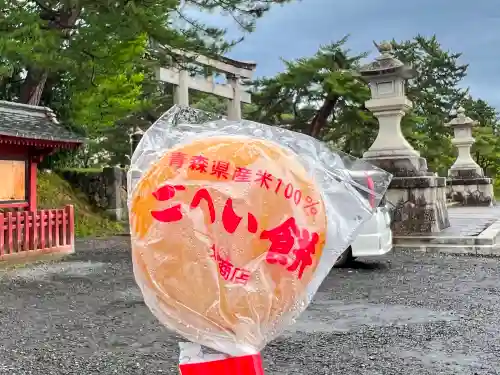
298, 29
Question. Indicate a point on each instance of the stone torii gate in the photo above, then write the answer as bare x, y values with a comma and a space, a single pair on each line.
235, 71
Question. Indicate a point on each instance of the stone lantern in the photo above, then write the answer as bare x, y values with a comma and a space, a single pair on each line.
386, 77
419, 196
464, 166
466, 182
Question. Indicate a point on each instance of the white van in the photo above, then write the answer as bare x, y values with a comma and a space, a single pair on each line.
374, 238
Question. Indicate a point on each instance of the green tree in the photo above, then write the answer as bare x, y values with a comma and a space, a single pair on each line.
48, 36
209, 103
93, 61
117, 137
435, 92
312, 92
112, 93
324, 97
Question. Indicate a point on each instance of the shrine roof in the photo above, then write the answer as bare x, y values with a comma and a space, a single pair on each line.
34, 123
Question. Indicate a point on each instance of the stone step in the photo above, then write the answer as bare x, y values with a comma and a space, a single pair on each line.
484, 238
445, 240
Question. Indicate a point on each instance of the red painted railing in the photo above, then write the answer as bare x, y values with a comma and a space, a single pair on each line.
42, 231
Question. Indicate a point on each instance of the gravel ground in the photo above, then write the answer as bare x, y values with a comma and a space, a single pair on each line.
405, 313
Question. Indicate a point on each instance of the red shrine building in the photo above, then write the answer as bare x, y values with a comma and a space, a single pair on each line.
28, 134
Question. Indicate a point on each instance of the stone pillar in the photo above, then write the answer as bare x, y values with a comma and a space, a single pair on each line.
466, 182
234, 105
418, 195
135, 139
115, 194
181, 91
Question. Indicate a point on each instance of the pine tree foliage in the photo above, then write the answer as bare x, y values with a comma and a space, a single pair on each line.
311, 93
99, 45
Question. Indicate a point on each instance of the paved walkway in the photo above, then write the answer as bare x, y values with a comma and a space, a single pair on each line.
473, 230
412, 314
470, 221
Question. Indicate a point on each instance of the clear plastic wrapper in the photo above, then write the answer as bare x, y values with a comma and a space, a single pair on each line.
234, 225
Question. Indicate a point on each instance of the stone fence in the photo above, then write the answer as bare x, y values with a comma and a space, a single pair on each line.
106, 189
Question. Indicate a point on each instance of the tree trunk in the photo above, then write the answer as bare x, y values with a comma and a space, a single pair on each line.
481, 161
33, 85
319, 120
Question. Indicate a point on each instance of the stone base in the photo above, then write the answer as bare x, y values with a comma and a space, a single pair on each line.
466, 173
402, 166
471, 191
117, 214
473, 231
420, 205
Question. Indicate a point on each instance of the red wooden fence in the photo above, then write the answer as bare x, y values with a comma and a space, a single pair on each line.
42, 231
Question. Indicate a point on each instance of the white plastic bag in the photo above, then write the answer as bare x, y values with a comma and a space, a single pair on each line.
234, 225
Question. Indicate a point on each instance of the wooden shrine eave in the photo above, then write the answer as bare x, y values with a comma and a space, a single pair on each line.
39, 143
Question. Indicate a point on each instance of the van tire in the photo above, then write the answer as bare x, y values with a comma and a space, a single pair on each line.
345, 258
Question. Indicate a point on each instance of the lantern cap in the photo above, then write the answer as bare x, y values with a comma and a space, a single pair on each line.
386, 63
462, 119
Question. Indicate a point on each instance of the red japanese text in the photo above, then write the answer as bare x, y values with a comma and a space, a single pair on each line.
177, 159
198, 163
288, 241
227, 270
202, 198
225, 171
220, 169
290, 246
